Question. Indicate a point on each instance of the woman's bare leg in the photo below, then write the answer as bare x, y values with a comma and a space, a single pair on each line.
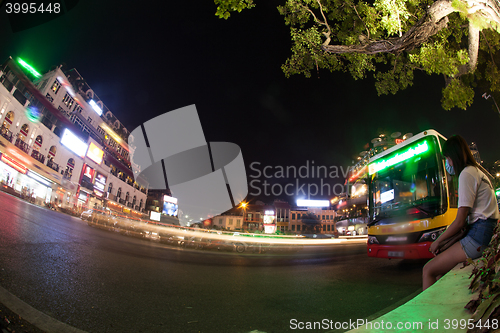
442, 264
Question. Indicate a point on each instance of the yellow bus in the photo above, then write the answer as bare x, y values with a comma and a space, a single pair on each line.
411, 199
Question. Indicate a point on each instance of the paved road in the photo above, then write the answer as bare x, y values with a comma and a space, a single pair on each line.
100, 281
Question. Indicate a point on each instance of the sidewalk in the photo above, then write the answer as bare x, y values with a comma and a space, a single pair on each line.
437, 309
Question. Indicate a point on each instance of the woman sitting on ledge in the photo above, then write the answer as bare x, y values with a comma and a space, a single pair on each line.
477, 206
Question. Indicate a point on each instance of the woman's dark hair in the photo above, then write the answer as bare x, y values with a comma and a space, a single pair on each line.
457, 149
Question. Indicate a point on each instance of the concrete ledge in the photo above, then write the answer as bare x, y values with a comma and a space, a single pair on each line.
433, 310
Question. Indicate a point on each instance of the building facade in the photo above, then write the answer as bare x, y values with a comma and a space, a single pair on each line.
279, 217
61, 143
301, 221
228, 222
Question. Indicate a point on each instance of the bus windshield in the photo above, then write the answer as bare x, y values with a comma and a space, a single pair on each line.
406, 185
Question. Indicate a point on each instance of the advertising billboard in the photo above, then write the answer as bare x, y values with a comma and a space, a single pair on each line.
88, 172
73, 143
95, 154
170, 206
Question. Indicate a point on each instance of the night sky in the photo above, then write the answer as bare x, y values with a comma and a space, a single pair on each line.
149, 58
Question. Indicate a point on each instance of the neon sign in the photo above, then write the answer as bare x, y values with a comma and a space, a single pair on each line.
411, 152
28, 68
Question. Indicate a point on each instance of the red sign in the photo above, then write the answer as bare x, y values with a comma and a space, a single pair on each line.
89, 172
13, 163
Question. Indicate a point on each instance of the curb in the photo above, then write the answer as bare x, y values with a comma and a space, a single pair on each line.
33, 316
436, 309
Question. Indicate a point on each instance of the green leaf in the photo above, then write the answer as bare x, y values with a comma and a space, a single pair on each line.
481, 309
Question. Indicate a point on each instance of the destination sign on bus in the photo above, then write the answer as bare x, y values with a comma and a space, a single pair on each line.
411, 152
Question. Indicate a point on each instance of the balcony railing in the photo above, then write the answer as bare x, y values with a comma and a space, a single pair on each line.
22, 145
122, 201
37, 156
67, 175
52, 165
6, 133
7, 84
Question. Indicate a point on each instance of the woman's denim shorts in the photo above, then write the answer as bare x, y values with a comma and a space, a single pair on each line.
478, 237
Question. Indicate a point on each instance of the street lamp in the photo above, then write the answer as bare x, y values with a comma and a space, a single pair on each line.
486, 96
244, 206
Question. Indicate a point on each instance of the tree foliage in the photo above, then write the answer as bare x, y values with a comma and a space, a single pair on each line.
486, 284
391, 39
225, 7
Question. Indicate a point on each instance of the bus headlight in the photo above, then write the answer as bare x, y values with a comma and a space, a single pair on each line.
372, 240
431, 236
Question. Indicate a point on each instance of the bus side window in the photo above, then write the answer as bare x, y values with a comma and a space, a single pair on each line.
453, 191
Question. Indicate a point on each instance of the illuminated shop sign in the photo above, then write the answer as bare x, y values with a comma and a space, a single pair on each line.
269, 212
411, 152
100, 178
39, 178
387, 196
83, 196
269, 228
99, 186
73, 143
96, 107
155, 216
313, 203
13, 163
100, 181
94, 153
